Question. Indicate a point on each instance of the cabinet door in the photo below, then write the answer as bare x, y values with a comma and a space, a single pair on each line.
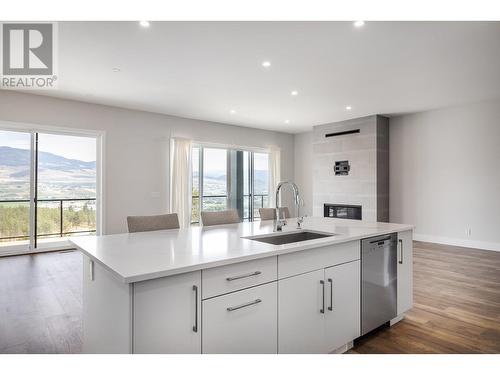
241, 322
301, 323
343, 299
167, 314
107, 311
405, 271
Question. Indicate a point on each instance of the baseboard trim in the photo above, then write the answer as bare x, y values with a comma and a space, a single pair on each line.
11, 253
481, 245
397, 319
344, 348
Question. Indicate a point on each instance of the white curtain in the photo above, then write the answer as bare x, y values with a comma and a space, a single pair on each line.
180, 180
274, 173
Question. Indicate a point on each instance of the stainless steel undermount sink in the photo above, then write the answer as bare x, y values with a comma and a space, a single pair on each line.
289, 237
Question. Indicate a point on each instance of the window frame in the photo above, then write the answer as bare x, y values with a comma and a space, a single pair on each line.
251, 176
33, 246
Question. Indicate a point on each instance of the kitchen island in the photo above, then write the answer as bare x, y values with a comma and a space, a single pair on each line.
214, 290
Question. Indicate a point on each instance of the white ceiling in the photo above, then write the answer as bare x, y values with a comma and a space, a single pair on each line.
203, 70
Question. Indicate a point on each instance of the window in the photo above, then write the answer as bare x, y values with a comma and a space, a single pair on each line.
48, 189
227, 178
214, 179
261, 182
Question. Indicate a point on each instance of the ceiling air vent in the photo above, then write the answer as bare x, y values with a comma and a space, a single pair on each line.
354, 131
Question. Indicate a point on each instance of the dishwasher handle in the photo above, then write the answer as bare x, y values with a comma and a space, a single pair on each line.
381, 241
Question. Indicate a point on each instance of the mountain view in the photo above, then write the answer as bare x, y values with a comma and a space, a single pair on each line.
58, 177
63, 178
215, 183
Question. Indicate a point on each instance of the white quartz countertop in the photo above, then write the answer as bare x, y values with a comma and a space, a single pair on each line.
134, 257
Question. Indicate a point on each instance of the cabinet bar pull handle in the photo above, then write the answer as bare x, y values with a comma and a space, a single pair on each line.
195, 327
401, 258
244, 305
91, 270
322, 310
331, 295
243, 276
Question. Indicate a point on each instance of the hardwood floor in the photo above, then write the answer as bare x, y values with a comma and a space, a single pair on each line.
40, 303
456, 304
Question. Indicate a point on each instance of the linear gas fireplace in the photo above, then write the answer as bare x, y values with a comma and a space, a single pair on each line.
342, 211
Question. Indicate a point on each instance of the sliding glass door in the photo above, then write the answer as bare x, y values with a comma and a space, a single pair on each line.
48, 189
15, 192
229, 178
65, 187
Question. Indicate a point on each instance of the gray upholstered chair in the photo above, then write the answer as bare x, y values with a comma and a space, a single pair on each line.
150, 223
270, 213
219, 217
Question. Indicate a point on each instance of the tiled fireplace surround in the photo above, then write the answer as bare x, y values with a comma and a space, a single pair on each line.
368, 154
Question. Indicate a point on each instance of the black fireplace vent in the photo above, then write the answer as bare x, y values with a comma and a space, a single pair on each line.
342, 211
354, 131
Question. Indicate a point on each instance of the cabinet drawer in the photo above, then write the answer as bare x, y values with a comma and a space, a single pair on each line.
241, 322
226, 279
314, 259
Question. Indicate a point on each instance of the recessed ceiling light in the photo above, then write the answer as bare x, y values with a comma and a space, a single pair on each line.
287, 121
116, 70
294, 93
266, 64
232, 111
348, 107
144, 23
359, 23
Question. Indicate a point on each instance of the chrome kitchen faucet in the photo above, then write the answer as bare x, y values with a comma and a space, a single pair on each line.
279, 223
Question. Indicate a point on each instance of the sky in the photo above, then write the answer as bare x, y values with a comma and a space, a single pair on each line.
70, 147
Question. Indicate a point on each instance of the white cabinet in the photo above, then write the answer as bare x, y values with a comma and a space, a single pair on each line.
343, 300
241, 322
319, 311
313, 259
405, 271
227, 279
301, 324
167, 314
107, 310
303, 302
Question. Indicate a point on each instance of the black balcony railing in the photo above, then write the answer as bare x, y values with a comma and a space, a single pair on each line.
60, 233
256, 206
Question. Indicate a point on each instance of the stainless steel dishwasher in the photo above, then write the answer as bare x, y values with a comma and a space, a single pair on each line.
378, 281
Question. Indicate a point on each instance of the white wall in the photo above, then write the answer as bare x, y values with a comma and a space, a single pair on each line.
445, 174
136, 147
303, 169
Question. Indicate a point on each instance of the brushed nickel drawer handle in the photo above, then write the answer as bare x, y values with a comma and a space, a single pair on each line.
322, 310
244, 305
400, 261
195, 327
243, 276
330, 308
91, 270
